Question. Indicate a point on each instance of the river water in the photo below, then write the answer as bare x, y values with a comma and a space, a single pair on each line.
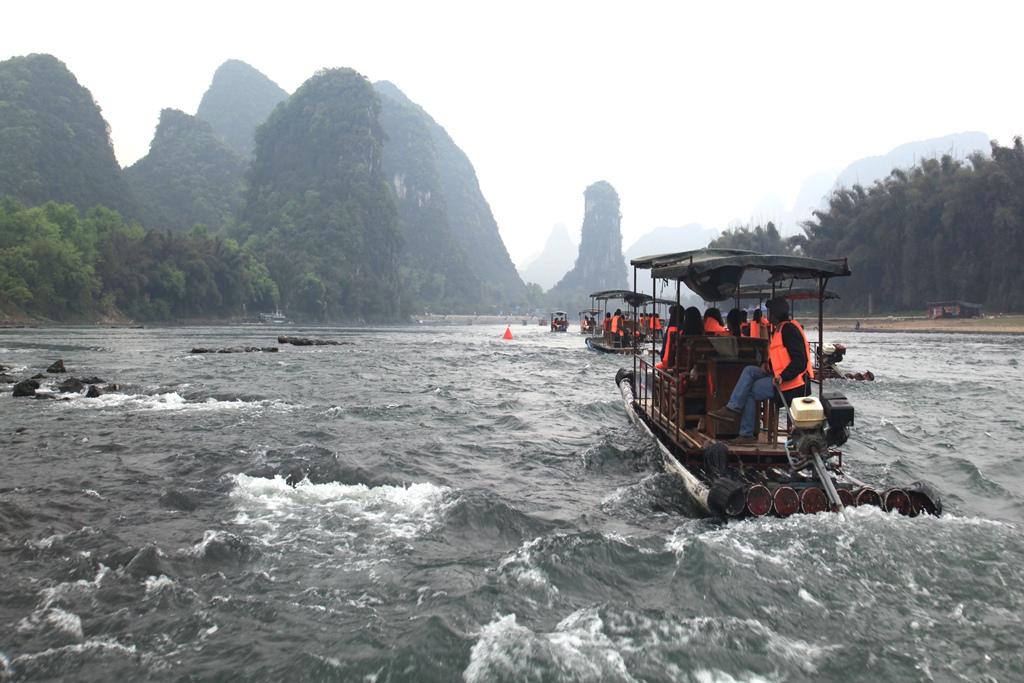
470, 508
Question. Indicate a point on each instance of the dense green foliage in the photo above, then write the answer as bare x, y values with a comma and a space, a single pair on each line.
469, 214
755, 238
943, 230
54, 142
239, 99
599, 265
434, 266
318, 207
55, 264
189, 177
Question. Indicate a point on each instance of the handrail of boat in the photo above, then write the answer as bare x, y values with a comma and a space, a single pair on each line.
645, 388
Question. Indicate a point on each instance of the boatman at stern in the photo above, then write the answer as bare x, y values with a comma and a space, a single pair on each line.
788, 367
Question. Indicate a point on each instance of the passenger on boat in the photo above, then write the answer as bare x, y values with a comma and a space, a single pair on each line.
617, 331
713, 323
734, 321
675, 323
758, 327
693, 323
788, 367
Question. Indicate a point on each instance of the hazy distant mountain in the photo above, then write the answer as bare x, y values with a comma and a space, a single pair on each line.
56, 143
869, 169
188, 176
819, 186
599, 265
557, 259
665, 240
435, 269
238, 100
469, 214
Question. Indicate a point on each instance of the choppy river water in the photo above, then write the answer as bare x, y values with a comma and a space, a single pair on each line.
478, 509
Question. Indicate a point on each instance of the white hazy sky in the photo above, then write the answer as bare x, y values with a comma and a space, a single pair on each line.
693, 111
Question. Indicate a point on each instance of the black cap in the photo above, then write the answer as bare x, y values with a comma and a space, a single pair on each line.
778, 307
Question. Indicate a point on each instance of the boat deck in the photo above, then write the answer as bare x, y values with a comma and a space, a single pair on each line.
688, 444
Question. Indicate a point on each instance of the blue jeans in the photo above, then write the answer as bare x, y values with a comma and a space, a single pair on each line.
753, 386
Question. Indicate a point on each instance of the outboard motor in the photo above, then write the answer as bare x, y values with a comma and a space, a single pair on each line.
819, 425
808, 433
828, 356
834, 352
839, 415
815, 428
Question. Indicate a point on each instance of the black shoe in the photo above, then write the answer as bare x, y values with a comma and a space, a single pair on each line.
725, 414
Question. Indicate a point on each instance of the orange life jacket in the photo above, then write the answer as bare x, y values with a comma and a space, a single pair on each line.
755, 329
668, 348
657, 323
778, 354
712, 326
616, 323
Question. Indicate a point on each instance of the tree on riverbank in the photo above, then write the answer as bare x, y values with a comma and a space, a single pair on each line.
56, 265
943, 230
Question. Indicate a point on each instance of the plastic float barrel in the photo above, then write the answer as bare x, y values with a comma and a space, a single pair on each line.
866, 496
727, 497
759, 500
845, 497
898, 500
923, 498
813, 500
786, 501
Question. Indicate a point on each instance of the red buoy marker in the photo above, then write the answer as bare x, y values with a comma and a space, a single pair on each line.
508, 333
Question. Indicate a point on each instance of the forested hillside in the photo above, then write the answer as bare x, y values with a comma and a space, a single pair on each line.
357, 205
55, 264
239, 99
318, 209
190, 176
434, 267
54, 143
942, 230
469, 214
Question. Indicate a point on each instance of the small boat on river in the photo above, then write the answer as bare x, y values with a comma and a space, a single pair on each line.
638, 322
793, 464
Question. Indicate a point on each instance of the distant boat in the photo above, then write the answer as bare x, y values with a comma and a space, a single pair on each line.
276, 318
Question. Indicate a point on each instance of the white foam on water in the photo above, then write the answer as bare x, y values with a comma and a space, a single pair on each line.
157, 583
74, 589
395, 512
167, 402
582, 647
521, 568
100, 645
53, 619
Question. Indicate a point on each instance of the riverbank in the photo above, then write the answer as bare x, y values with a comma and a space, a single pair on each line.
1008, 324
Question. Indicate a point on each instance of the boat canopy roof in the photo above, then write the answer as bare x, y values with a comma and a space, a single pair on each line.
765, 292
634, 299
715, 274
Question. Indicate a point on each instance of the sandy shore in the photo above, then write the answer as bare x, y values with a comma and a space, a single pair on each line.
1009, 324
